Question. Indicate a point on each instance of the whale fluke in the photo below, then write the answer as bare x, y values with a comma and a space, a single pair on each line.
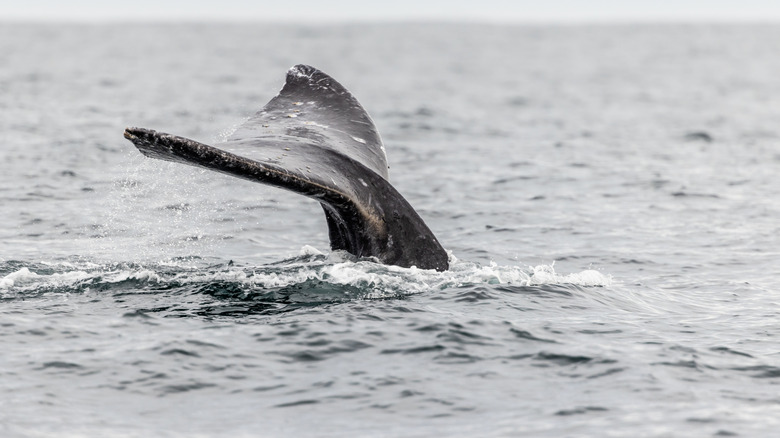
315, 139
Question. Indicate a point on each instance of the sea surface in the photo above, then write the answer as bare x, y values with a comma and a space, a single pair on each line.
609, 196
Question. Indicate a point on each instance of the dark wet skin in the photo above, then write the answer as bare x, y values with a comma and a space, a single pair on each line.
315, 139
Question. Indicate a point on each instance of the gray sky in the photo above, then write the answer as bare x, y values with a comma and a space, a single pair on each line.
365, 10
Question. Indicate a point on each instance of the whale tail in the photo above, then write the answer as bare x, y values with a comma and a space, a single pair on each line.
315, 139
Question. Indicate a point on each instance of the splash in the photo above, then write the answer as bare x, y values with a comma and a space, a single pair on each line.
25, 279
311, 276
545, 274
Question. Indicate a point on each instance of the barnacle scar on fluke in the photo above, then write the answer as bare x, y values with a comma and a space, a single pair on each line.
332, 153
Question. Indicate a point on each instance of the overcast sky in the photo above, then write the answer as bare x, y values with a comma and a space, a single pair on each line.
367, 10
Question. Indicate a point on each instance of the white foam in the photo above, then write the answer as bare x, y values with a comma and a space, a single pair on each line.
24, 277
338, 268
309, 250
545, 274
9, 280
143, 275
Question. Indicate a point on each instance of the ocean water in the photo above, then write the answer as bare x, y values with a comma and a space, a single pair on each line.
609, 196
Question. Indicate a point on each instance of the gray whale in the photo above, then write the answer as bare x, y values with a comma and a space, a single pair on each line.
315, 139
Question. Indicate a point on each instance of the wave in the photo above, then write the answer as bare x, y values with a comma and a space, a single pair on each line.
309, 279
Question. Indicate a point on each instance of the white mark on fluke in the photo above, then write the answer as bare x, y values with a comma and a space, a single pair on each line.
315, 124
298, 73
